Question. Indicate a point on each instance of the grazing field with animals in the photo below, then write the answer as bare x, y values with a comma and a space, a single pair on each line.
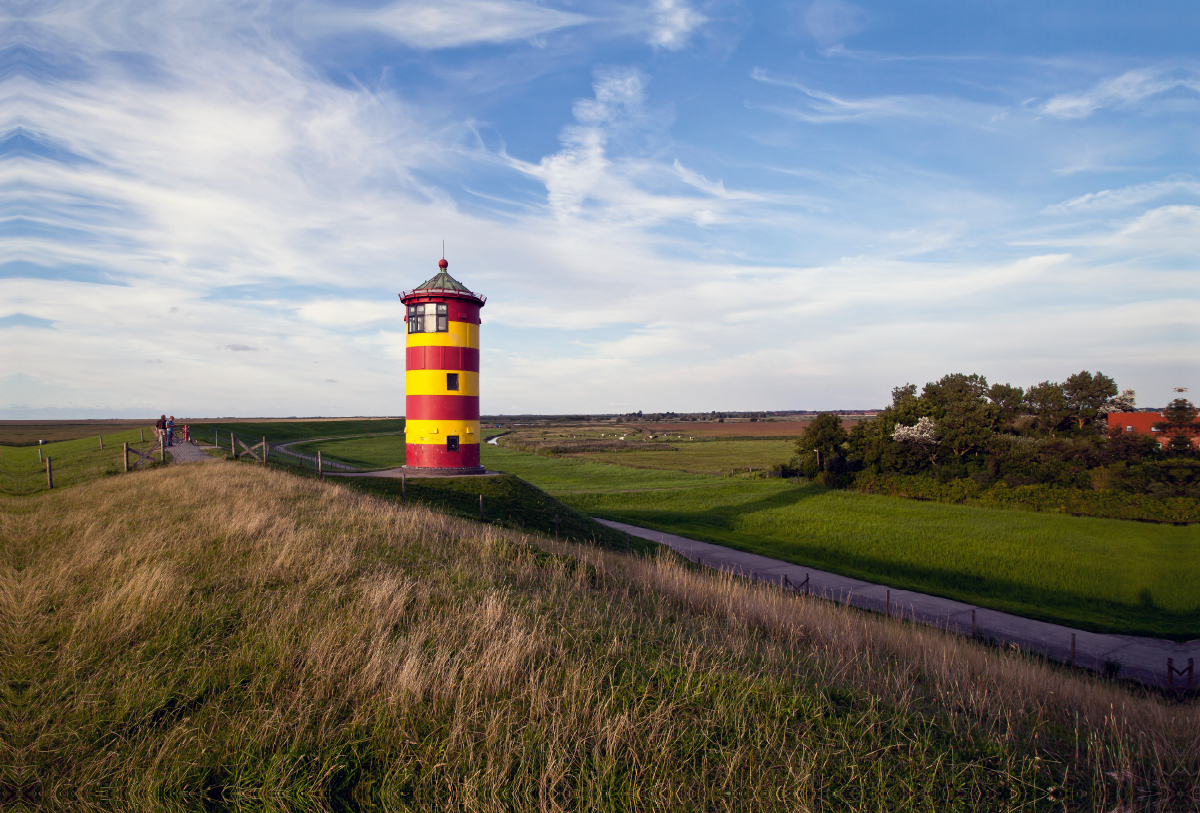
265, 635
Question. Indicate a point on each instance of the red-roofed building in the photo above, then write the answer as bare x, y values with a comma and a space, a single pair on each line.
1142, 423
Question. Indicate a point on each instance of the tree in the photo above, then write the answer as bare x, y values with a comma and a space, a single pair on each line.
1179, 424
824, 435
924, 433
1048, 404
965, 417
1008, 400
1086, 395
1125, 402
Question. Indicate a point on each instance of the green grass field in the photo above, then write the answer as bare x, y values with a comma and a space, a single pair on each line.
1103, 575
372, 452
705, 456
262, 640
73, 461
283, 431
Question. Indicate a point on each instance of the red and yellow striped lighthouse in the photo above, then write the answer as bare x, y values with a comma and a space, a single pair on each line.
442, 375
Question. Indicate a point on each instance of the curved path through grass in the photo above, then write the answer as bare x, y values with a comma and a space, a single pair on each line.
1095, 574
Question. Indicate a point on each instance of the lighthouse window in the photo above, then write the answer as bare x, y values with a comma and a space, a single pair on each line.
452, 381
428, 318
452, 443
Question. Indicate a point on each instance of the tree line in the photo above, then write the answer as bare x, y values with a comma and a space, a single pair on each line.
960, 426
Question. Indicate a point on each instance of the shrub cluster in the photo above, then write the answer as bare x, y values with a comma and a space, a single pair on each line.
1048, 443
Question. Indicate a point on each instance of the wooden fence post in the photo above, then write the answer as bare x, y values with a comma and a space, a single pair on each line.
141, 436
162, 448
264, 460
102, 443
125, 455
320, 471
49, 473
40, 455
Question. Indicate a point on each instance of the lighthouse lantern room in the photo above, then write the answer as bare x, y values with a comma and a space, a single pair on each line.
442, 376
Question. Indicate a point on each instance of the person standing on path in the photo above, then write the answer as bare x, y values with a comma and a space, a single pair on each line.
160, 428
171, 431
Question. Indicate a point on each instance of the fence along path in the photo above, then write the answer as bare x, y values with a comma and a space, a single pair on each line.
1151, 661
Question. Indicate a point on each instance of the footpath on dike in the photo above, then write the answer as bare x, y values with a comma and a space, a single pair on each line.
1140, 659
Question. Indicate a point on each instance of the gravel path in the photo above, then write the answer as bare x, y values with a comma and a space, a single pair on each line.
1142, 659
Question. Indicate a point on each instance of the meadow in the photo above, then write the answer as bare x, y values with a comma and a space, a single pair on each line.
28, 433
73, 461
268, 640
370, 452
281, 431
1097, 574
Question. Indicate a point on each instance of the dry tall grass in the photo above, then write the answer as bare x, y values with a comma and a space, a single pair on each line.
233, 637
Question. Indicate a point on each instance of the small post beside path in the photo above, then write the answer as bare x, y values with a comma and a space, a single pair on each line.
49, 473
125, 455
102, 443
162, 448
320, 472
1188, 670
266, 448
141, 436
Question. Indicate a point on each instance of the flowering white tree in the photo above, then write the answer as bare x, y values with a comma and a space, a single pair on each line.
923, 433
1125, 402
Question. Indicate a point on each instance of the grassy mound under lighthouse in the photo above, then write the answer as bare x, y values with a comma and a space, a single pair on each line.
442, 375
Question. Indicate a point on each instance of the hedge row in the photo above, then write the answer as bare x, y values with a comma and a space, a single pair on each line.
1111, 504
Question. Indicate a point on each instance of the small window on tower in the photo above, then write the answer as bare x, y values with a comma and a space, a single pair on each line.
451, 443
416, 319
443, 319
452, 382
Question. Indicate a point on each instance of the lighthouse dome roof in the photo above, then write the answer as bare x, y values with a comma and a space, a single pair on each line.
442, 281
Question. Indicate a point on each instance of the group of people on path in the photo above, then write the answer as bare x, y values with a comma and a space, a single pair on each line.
165, 429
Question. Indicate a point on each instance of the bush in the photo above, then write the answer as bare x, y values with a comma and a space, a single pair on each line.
1037, 497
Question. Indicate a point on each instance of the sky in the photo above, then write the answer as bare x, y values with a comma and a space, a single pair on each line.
210, 208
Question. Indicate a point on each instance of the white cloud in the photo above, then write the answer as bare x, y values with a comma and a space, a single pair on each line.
1126, 91
673, 24
455, 23
1112, 199
821, 107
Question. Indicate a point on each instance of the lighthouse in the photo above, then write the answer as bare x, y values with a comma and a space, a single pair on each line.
441, 376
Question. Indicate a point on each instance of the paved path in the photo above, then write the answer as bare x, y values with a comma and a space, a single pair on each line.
188, 453
1143, 659
283, 448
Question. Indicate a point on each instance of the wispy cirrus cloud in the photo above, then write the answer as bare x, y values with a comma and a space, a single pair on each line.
1136, 194
1129, 90
457, 23
821, 107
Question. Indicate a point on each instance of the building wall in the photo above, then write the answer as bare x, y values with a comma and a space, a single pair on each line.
1142, 423
432, 411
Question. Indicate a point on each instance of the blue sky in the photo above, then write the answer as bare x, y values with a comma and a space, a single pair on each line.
208, 209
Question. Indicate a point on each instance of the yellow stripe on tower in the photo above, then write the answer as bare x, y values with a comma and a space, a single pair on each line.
436, 431
433, 382
461, 334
